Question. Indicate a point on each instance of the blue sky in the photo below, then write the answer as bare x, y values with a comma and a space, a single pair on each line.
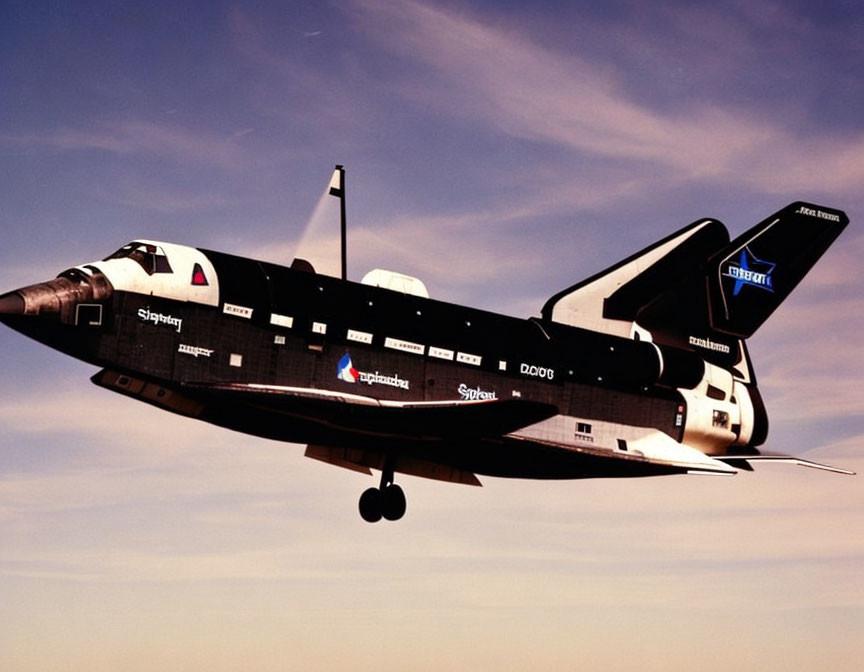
499, 151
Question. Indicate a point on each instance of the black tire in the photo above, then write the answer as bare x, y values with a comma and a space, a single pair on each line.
393, 502
371, 505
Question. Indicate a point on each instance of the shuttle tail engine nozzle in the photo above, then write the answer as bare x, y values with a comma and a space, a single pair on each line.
759, 433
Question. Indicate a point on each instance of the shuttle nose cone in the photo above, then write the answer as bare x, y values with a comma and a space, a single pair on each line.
11, 304
56, 299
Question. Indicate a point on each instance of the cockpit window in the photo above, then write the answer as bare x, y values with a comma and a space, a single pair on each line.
74, 274
150, 257
198, 277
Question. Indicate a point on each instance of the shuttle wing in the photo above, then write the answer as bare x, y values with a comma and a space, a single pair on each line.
624, 450
743, 462
368, 415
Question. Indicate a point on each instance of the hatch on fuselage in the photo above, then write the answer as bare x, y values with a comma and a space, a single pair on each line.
397, 282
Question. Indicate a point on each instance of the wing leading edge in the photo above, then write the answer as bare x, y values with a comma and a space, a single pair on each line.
743, 462
435, 420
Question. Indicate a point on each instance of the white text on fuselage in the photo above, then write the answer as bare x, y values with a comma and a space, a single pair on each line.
537, 371
377, 379
159, 318
708, 344
474, 393
194, 350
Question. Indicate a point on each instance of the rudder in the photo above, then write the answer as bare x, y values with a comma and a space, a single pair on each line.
752, 276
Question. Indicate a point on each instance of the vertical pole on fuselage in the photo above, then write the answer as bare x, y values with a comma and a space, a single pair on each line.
344, 231
343, 228
337, 188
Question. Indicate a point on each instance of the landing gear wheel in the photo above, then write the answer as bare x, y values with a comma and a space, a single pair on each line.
371, 503
393, 502
387, 500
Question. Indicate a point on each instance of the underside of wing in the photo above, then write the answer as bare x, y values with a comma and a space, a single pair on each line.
498, 437
363, 460
613, 450
417, 420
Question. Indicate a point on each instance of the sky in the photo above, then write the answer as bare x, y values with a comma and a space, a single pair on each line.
500, 151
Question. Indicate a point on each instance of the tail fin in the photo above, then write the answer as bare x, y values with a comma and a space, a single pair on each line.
754, 274
696, 290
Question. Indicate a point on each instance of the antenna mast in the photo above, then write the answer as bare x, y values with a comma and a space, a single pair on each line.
337, 188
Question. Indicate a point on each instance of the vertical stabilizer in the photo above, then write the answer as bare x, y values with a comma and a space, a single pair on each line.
697, 291
757, 271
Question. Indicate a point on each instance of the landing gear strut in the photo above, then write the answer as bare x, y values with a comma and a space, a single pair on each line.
387, 501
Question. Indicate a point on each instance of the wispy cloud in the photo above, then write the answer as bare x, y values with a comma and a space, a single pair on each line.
453, 253
146, 194
141, 138
501, 77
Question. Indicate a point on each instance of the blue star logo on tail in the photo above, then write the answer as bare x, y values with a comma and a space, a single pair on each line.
748, 270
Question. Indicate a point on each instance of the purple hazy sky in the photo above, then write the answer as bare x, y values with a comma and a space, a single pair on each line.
500, 151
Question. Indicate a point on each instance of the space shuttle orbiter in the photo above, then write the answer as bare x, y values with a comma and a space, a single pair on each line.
641, 370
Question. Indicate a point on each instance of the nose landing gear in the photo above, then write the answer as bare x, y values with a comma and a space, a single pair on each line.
387, 501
